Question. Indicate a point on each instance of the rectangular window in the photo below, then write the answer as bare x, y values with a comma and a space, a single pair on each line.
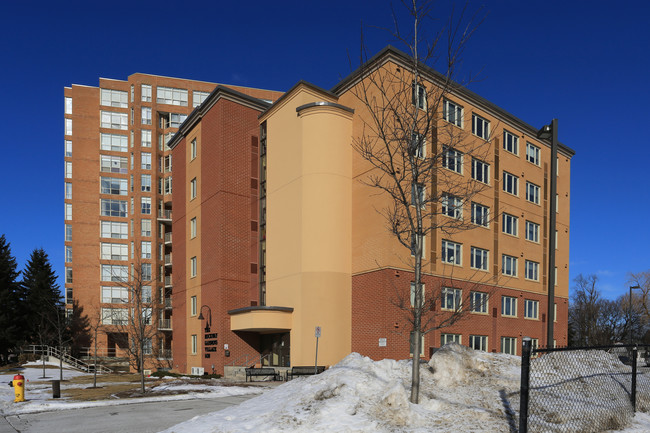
173, 120
68, 148
114, 251
531, 310
532, 192
532, 231
418, 145
145, 138
113, 142
167, 185
480, 127
193, 344
449, 338
113, 164
510, 183
451, 299
193, 267
412, 344
509, 345
68, 126
478, 342
115, 316
480, 214
479, 259
145, 207
145, 182
510, 142
509, 265
68, 275
480, 171
508, 306
145, 269
145, 161
145, 228
146, 93
68, 195
68, 211
452, 159
171, 96
111, 185
414, 244
68, 170
68, 105
418, 194
413, 293
146, 294
478, 302
193, 309
452, 113
419, 96
68, 232
117, 273
115, 295
68, 253
193, 228
509, 224
451, 252
532, 270
113, 120
113, 208
198, 98
532, 153
146, 249
146, 116
114, 98
193, 149
452, 206
193, 189
114, 230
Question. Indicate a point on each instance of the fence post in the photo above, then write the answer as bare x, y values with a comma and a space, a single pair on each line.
525, 380
633, 379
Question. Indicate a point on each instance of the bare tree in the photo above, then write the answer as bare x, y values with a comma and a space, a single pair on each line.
404, 110
585, 310
95, 328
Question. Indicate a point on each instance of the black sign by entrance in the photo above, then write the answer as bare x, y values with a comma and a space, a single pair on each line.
213, 335
207, 355
210, 349
211, 342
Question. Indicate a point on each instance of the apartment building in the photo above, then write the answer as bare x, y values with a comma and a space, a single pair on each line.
118, 196
276, 229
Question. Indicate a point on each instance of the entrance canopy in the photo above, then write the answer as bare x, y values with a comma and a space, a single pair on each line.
261, 319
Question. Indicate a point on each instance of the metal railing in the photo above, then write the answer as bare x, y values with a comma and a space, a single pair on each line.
168, 302
168, 237
165, 324
168, 259
248, 361
165, 214
165, 354
168, 280
73, 362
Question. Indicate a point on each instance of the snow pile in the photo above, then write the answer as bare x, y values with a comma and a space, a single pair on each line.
461, 390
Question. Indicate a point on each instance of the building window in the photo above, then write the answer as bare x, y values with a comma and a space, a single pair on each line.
478, 302
113, 120
68, 126
449, 338
145, 207
193, 305
509, 224
172, 120
114, 98
478, 342
113, 142
116, 273
146, 294
532, 231
167, 185
418, 145
113, 164
145, 182
451, 299
193, 344
171, 96
114, 230
145, 138
115, 295
510, 183
452, 206
146, 249
418, 194
509, 265
452, 113
145, 269
480, 214
111, 185
68, 253
193, 267
193, 228
532, 192
115, 316
68, 233
479, 259
68, 170
419, 96
145, 228
531, 309
114, 251
193, 189
68, 195
193, 149
510, 142
68, 275
146, 116
145, 161
509, 306
509, 345
412, 344
68, 148
198, 98
146, 92
413, 293
452, 159
68, 105
532, 270
113, 208
68, 211
480, 127
451, 252
480, 171
532, 153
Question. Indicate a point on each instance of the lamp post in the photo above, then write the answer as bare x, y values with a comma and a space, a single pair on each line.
550, 132
209, 323
630, 309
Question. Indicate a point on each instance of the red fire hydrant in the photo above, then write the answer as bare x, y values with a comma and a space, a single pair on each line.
19, 387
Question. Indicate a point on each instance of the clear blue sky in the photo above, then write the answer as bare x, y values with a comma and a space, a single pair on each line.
585, 63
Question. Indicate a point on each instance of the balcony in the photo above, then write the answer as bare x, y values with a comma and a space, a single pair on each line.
168, 259
165, 354
168, 238
165, 324
168, 303
168, 280
165, 215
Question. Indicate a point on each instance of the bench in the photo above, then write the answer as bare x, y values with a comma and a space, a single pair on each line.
266, 372
304, 370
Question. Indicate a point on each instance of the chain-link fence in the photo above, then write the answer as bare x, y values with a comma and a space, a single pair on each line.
582, 389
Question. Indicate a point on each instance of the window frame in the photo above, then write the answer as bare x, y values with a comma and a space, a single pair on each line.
193, 189
527, 310
446, 338
456, 118
508, 306
451, 299
419, 95
484, 254
456, 257
509, 224
482, 342
532, 235
510, 183
511, 344
510, 142
193, 267
452, 159
452, 206
511, 269
533, 154
485, 126
484, 171
480, 307
484, 214
531, 270
533, 192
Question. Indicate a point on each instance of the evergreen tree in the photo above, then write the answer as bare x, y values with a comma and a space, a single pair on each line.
9, 300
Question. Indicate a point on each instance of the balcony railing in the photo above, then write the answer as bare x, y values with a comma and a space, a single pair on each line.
165, 324
165, 354
168, 280
168, 302
168, 259
165, 214
168, 237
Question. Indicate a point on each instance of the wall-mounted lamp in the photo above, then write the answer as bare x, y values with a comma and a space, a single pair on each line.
209, 322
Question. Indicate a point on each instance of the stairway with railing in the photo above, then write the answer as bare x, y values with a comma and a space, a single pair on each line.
72, 362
